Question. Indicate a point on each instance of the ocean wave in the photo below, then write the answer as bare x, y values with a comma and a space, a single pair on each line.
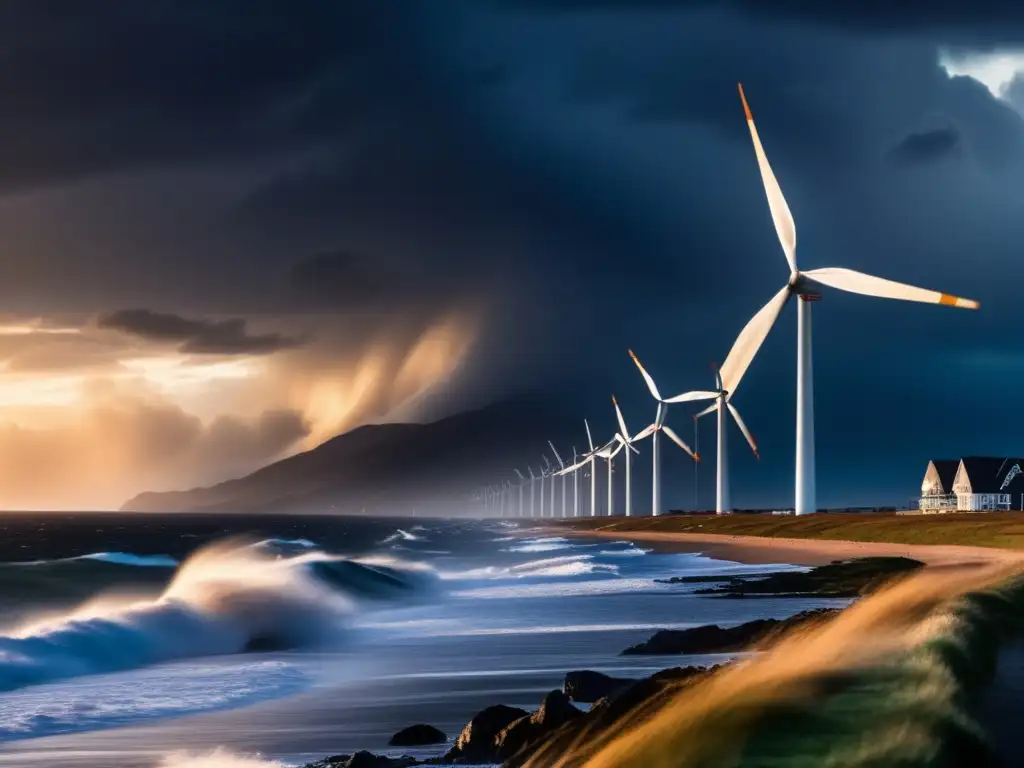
226, 598
218, 758
126, 558
630, 551
544, 544
400, 535
142, 696
563, 566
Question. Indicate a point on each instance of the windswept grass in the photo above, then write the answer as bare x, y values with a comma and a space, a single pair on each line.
1003, 529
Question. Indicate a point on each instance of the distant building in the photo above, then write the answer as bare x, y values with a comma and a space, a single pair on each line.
973, 484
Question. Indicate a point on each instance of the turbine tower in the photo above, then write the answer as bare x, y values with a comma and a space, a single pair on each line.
522, 482
593, 474
533, 483
805, 286
575, 483
628, 442
659, 426
561, 467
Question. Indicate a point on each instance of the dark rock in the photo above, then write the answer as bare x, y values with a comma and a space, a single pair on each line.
587, 686
850, 578
639, 699
476, 743
418, 736
526, 732
363, 760
712, 638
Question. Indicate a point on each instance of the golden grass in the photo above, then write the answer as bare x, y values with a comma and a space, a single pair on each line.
996, 529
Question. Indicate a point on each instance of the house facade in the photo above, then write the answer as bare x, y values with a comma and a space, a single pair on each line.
973, 484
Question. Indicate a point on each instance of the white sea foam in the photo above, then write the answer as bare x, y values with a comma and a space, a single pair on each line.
400, 535
545, 544
218, 758
106, 701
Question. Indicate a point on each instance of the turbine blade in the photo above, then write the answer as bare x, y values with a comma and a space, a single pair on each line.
781, 216
557, 457
590, 440
618, 415
743, 428
710, 409
750, 340
688, 397
520, 475
644, 433
869, 285
647, 377
678, 441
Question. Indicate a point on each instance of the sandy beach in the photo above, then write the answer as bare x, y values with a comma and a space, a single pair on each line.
761, 550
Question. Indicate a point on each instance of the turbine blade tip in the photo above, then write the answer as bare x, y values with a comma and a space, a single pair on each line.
743, 98
614, 401
696, 457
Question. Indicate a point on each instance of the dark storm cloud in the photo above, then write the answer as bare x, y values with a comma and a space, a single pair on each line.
216, 337
100, 87
926, 146
991, 20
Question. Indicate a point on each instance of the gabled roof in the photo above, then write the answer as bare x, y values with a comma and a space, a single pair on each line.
993, 474
946, 469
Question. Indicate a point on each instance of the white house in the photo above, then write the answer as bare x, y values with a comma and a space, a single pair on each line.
978, 484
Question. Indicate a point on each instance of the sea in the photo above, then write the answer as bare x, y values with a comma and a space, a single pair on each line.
154, 640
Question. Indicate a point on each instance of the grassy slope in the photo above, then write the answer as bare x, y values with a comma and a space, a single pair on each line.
1004, 529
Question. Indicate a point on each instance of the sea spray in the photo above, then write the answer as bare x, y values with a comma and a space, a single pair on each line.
218, 758
227, 598
889, 682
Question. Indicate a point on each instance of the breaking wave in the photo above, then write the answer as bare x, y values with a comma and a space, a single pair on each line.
218, 758
563, 566
544, 544
227, 598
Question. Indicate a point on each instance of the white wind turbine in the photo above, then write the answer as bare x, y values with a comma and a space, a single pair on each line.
561, 467
533, 484
805, 286
545, 472
660, 426
522, 482
628, 441
593, 475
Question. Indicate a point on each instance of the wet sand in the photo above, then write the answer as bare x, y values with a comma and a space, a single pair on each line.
762, 550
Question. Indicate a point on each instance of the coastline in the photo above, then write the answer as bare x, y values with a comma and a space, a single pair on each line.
761, 550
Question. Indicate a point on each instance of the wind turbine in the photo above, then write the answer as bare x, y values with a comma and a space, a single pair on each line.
533, 483
575, 484
522, 482
805, 285
593, 476
659, 426
545, 472
628, 442
561, 466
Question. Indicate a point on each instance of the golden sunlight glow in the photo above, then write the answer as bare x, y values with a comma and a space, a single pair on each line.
91, 419
176, 371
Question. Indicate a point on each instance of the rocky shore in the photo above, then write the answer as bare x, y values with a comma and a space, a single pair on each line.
509, 736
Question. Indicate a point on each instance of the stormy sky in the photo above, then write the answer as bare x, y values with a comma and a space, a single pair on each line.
233, 228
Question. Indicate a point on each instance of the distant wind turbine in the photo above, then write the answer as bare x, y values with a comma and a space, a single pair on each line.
805, 286
561, 466
533, 483
660, 426
522, 482
628, 442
